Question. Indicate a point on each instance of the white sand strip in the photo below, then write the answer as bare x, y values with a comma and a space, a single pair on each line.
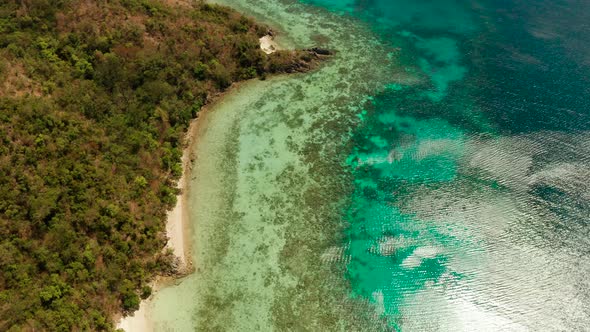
177, 230
177, 219
139, 322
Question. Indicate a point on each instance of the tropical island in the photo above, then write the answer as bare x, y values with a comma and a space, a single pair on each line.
158, 171
95, 101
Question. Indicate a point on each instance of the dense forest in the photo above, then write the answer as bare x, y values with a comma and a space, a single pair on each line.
95, 98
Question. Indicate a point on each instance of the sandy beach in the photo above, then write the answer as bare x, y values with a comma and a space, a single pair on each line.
178, 232
177, 224
177, 221
139, 321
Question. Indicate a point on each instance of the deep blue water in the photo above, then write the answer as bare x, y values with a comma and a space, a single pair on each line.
471, 205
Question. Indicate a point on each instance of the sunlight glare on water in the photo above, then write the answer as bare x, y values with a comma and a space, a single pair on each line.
432, 176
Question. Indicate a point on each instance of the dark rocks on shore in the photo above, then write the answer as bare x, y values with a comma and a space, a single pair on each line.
320, 51
297, 61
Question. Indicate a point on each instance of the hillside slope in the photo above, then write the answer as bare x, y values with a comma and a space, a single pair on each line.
94, 99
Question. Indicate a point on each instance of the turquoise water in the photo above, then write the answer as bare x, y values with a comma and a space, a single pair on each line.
432, 176
470, 209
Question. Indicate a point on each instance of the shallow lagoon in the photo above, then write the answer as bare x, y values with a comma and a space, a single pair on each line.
432, 176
